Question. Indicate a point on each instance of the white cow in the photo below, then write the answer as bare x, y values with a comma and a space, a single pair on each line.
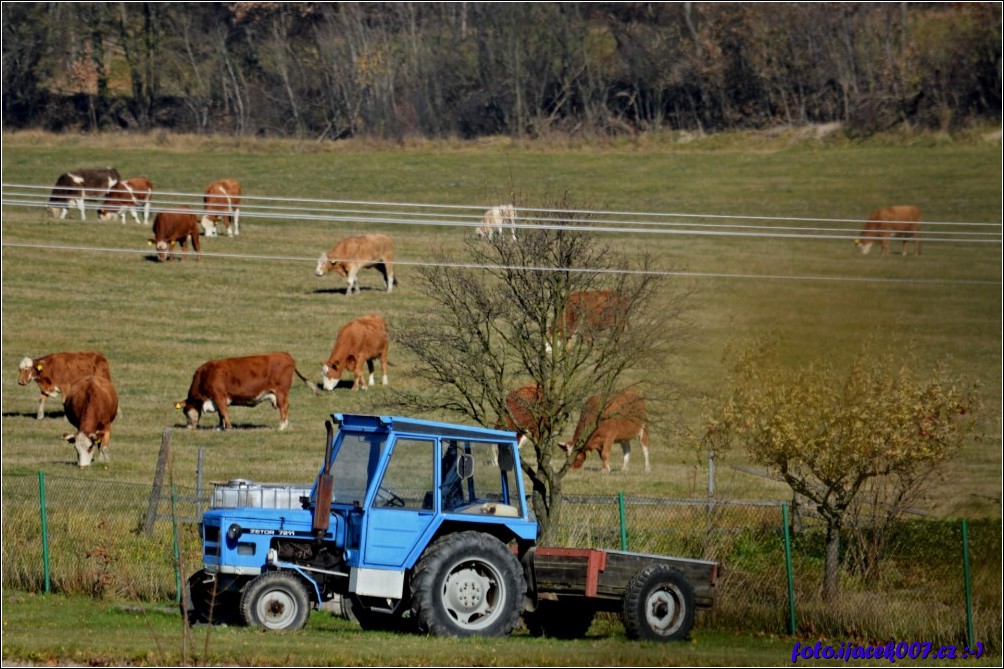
495, 219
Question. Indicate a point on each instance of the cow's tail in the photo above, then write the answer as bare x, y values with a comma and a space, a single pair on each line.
306, 381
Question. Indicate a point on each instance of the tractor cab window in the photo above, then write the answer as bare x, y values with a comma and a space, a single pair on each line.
408, 476
473, 472
353, 465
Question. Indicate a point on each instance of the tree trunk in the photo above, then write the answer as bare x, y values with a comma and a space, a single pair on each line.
831, 569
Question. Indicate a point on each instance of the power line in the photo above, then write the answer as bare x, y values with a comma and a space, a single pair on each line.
416, 214
478, 266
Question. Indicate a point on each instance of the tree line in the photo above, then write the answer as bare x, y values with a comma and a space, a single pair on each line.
467, 69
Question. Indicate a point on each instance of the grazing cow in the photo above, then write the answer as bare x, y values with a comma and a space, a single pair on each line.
495, 219
900, 222
56, 371
525, 414
246, 382
586, 313
362, 340
90, 404
352, 254
623, 419
127, 197
73, 188
222, 203
175, 227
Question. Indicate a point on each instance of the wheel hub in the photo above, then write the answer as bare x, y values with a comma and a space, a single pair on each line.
466, 595
661, 612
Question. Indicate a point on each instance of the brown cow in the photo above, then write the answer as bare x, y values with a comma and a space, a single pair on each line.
586, 313
352, 254
246, 382
73, 188
175, 227
222, 203
127, 197
359, 341
623, 419
90, 404
525, 414
56, 371
898, 223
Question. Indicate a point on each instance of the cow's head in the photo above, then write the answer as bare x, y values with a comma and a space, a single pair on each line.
163, 248
192, 410
863, 245
27, 371
209, 226
323, 265
331, 371
84, 444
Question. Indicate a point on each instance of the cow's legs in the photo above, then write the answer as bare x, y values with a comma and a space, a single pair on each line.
608, 445
643, 435
626, 447
383, 366
370, 366
224, 410
41, 407
282, 400
353, 283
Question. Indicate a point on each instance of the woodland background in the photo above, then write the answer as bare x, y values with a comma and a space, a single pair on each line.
467, 70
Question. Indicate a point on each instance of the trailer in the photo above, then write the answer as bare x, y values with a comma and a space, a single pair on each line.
424, 526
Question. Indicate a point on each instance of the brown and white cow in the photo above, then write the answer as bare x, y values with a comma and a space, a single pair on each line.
175, 227
90, 404
55, 372
896, 223
525, 413
360, 341
128, 197
246, 381
586, 313
623, 418
72, 189
222, 204
352, 254
495, 219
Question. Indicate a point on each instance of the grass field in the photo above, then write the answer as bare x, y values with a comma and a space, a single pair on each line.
158, 322
69, 285
152, 635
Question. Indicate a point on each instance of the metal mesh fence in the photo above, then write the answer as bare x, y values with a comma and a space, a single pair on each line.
110, 539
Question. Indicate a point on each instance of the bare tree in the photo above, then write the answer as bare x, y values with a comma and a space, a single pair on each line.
496, 314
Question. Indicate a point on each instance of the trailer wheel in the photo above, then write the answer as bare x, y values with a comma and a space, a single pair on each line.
468, 584
557, 620
276, 600
658, 604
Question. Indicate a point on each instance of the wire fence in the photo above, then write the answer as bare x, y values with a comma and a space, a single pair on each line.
129, 541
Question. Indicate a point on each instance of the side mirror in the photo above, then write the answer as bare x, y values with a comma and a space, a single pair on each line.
506, 462
465, 466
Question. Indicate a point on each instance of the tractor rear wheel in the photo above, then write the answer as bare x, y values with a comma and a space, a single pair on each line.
468, 584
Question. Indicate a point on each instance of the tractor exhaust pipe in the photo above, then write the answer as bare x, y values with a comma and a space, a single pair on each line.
325, 484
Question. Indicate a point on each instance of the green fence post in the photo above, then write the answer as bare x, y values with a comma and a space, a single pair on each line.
969, 584
620, 507
792, 624
45, 531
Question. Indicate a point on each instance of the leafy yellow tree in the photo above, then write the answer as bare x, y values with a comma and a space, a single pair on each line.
830, 432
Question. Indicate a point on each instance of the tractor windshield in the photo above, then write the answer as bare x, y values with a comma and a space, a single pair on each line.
354, 463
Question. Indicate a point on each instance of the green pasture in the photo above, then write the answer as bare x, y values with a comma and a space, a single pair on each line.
158, 322
69, 285
35, 630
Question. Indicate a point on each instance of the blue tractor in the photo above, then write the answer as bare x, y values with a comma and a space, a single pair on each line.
423, 525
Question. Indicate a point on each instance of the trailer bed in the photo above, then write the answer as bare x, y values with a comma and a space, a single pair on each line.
604, 574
